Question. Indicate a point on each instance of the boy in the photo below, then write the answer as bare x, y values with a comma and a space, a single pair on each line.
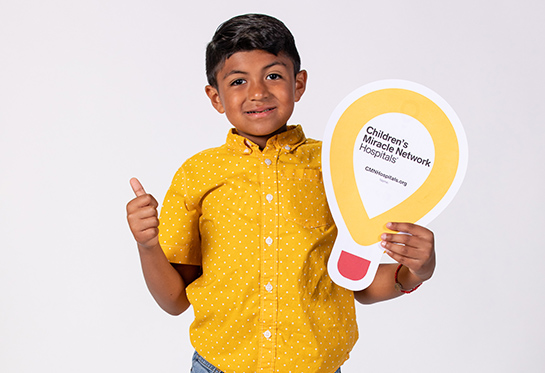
245, 230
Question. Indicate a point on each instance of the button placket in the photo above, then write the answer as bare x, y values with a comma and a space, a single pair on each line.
269, 256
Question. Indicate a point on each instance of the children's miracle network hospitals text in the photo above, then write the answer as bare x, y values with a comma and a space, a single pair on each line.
380, 144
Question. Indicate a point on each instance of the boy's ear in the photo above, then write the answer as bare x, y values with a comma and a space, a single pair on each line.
214, 97
300, 84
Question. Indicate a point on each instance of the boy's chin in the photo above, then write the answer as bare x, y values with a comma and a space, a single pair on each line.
262, 134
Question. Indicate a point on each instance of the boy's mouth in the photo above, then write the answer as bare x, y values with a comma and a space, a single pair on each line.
260, 111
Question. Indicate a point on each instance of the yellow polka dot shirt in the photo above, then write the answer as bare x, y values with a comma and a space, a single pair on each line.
259, 225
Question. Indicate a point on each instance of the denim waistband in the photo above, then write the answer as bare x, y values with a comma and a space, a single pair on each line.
200, 365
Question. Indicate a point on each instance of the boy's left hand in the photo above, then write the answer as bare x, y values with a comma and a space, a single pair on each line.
415, 249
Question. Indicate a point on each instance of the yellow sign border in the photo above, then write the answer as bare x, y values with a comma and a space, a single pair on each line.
367, 231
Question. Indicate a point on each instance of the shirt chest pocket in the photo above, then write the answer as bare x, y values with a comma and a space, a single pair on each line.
303, 199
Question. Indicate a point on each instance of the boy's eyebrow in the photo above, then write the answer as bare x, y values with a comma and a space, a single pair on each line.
274, 64
232, 72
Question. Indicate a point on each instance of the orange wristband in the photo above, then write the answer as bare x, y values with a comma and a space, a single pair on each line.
399, 287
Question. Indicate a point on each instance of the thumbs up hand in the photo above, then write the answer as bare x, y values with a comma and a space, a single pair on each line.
143, 217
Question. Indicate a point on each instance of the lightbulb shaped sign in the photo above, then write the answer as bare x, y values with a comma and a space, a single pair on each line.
393, 151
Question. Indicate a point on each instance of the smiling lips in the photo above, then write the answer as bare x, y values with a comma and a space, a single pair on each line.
260, 111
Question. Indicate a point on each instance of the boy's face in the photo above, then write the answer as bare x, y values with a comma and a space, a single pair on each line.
257, 91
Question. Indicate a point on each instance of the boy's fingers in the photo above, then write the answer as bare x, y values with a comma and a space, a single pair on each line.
413, 229
399, 238
137, 188
400, 227
400, 250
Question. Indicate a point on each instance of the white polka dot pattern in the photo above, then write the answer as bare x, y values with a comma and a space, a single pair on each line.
259, 224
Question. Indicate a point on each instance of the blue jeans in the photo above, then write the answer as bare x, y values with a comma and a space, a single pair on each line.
202, 366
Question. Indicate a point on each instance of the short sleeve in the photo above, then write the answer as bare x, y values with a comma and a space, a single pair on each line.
179, 224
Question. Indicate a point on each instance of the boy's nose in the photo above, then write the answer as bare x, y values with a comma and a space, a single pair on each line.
258, 91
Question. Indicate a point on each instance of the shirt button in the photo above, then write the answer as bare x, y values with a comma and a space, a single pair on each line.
269, 241
269, 197
268, 287
267, 334
287, 147
268, 162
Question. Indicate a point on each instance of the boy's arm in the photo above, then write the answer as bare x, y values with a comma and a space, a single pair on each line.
166, 283
415, 250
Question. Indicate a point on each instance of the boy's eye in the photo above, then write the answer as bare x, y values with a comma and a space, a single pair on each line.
274, 76
237, 82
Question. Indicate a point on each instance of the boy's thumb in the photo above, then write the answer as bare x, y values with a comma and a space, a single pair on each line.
137, 188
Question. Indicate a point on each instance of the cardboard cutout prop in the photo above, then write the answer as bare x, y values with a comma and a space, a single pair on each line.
393, 151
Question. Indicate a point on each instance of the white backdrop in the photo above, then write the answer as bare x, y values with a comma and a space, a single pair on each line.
95, 92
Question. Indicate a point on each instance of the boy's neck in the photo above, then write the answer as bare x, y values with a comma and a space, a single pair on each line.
261, 141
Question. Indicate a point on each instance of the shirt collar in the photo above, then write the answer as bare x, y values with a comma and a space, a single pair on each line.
287, 141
